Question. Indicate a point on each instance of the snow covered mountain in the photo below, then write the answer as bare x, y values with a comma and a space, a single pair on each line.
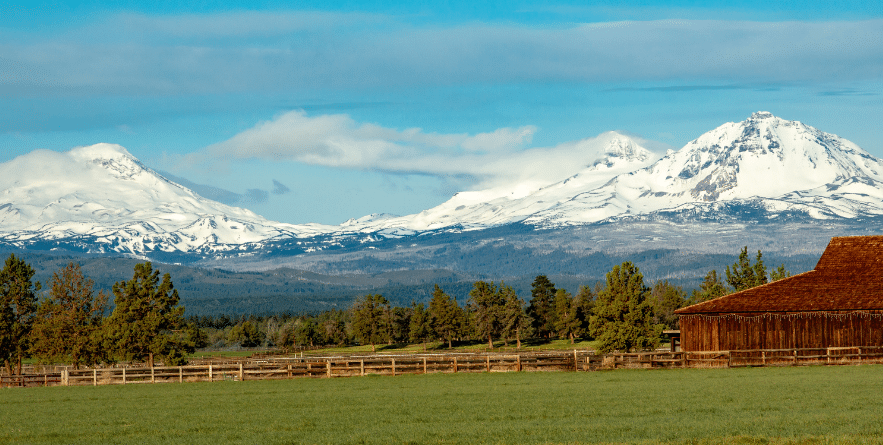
474, 210
764, 161
108, 199
101, 199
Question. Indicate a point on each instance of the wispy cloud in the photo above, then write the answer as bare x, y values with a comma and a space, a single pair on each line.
485, 159
267, 51
280, 188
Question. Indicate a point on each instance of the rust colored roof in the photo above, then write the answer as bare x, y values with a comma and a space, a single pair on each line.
848, 277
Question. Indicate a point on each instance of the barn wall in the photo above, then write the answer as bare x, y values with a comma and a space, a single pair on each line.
724, 332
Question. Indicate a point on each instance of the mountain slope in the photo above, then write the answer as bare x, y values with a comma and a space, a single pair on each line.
766, 161
103, 193
475, 210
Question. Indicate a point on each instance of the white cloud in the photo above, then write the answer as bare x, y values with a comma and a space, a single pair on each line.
483, 160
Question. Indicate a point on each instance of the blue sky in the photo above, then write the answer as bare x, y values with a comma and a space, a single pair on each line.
335, 110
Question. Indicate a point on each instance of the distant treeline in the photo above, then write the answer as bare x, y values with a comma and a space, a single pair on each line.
68, 322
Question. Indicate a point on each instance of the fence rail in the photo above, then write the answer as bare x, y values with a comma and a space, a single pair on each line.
361, 365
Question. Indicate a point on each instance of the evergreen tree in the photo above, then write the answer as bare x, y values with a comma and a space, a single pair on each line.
487, 305
515, 321
667, 298
146, 314
248, 334
567, 316
370, 320
744, 275
541, 307
447, 317
623, 316
18, 309
420, 327
306, 332
68, 322
779, 273
711, 288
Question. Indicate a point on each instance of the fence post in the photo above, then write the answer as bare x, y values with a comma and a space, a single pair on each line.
487, 363
210, 376
683, 358
393, 367
289, 370
828, 359
328, 367
362, 367
518, 362
65, 377
424, 365
124, 376
575, 362
859, 355
152, 375
94, 377
180, 374
241, 373
455, 365
795, 357
763, 358
729, 359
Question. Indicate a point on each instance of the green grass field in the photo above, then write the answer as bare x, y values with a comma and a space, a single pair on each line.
727, 406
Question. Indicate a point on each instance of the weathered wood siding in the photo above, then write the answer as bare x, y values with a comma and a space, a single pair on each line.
724, 332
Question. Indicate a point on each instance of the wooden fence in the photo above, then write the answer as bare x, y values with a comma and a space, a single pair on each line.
753, 357
234, 369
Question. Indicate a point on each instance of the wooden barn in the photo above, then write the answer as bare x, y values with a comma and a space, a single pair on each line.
837, 304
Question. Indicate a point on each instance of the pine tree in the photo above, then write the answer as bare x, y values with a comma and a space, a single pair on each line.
567, 316
369, 320
447, 317
421, 324
779, 273
623, 317
711, 288
666, 298
516, 323
68, 322
744, 275
541, 308
146, 314
487, 305
18, 309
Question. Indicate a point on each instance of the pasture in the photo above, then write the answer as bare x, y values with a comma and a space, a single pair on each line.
816, 404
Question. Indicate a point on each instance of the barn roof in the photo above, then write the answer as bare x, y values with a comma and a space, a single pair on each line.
848, 276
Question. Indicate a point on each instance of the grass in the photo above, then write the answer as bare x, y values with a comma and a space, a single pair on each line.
805, 405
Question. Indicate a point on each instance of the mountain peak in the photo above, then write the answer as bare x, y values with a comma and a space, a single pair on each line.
101, 151
761, 115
